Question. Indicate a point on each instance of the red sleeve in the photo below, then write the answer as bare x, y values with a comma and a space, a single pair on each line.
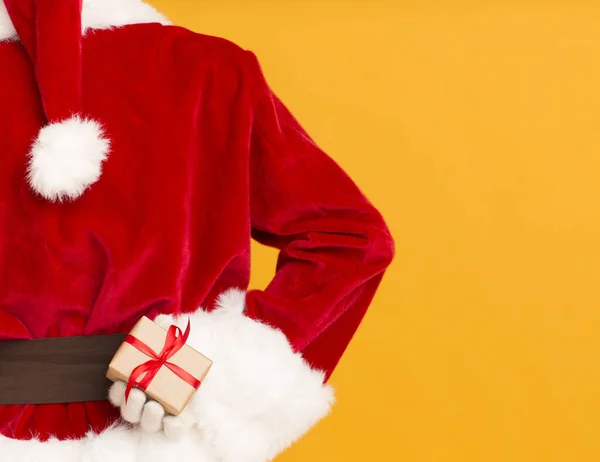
334, 245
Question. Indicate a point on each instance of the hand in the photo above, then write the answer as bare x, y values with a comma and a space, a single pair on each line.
149, 414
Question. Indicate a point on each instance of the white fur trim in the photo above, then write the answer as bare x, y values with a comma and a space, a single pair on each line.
105, 14
98, 14
7, 30
66, 158
258, 398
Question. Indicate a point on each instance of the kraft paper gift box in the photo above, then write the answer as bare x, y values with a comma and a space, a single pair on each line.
170, 390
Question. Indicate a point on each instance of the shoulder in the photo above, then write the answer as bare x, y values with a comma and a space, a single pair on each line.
205, 53
181, 61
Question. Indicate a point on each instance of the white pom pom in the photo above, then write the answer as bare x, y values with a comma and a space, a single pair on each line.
67, 157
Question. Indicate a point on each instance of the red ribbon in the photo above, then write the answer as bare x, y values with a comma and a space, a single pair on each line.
174, 342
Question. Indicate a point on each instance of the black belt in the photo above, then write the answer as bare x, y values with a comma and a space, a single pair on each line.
56, 370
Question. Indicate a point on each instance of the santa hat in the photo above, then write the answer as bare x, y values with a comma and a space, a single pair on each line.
66, 156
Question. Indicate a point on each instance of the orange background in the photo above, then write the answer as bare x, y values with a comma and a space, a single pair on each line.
475, 127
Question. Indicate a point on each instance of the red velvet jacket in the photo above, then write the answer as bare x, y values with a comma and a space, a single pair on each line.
204, 157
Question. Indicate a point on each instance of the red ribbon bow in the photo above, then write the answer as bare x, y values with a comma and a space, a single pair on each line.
174, 342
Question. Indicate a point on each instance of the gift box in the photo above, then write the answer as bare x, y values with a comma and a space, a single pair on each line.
159, 362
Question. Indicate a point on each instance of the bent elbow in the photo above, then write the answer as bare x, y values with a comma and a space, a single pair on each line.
382, 245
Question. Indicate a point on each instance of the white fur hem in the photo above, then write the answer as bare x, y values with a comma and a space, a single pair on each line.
258, 399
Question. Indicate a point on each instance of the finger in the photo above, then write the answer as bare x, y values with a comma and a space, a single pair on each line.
152, 417
164, 320
131, 411
116, 393
174, 427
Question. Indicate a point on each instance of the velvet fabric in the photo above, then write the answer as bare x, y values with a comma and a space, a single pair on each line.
58, 78
203, 158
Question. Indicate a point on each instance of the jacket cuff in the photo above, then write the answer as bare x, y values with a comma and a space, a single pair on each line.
259, 396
